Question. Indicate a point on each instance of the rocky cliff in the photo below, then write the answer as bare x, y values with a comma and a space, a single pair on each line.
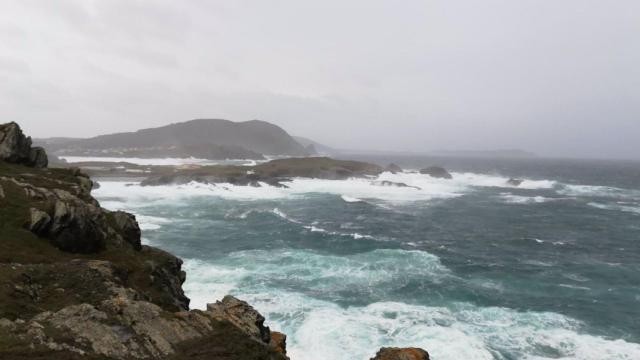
76, 282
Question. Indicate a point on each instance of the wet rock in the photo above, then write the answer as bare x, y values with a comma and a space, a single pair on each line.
401, 354
168, 277
1, 192
128, 227
394, 184
243, 316
393, 168
514, 182
279, 342
436, 172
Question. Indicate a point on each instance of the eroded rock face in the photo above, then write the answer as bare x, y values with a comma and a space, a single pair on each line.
128, 226
243, 315
70, 223
16, 148
168, 276
436, 172
401, 354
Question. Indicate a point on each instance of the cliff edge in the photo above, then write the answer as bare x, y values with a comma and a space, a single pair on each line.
76, 282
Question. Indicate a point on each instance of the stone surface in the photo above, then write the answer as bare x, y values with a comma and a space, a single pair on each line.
128, 226
436, 172
16, 148
401, 354
242, 315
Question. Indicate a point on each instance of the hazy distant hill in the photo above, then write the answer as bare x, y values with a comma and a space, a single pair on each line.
314, 147
504, 153
204, 138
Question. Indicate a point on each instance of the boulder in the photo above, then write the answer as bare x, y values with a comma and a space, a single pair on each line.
401, 354
514, 182
128, 227
436, 172
243, 316
393, 168
16, 148
394, 184
77, 226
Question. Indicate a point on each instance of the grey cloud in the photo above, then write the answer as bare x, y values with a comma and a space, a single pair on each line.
554, 77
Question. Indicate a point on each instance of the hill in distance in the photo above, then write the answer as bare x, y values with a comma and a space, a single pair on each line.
202, 138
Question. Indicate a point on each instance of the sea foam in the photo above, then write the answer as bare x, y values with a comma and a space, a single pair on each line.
318, 328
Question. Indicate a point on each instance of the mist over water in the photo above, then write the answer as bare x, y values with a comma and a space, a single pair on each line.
470, 268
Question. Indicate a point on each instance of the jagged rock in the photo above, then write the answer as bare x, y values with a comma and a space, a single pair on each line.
514, 182
77, 226
242, 315
436, 172
128, 226
279, 342
401, 354
16, 148
168, 276
395, 184
393, 168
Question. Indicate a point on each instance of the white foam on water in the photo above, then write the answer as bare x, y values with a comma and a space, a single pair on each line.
599, 191
160, 161
420, 188
615, 207
147, 222
519, 199
484, 180
350, 199
321, 329
356, 235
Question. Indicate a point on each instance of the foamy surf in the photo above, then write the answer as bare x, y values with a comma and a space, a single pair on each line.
320, 329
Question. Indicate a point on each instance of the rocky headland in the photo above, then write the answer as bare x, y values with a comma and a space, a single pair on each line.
274, 173
76, 282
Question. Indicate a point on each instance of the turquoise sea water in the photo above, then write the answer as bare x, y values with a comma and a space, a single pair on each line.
469, 268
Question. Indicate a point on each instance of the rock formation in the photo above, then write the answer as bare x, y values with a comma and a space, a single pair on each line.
76, 283
16, 148
436, 172
514, 182
393, 168
401, 354
274, 173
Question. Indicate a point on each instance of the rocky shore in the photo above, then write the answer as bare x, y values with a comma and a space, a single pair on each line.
76, 282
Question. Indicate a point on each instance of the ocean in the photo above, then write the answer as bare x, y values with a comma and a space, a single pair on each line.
468, 268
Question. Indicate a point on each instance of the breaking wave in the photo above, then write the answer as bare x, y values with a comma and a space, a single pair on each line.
319, 328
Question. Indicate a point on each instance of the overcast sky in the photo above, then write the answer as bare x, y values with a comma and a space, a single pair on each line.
557, 77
